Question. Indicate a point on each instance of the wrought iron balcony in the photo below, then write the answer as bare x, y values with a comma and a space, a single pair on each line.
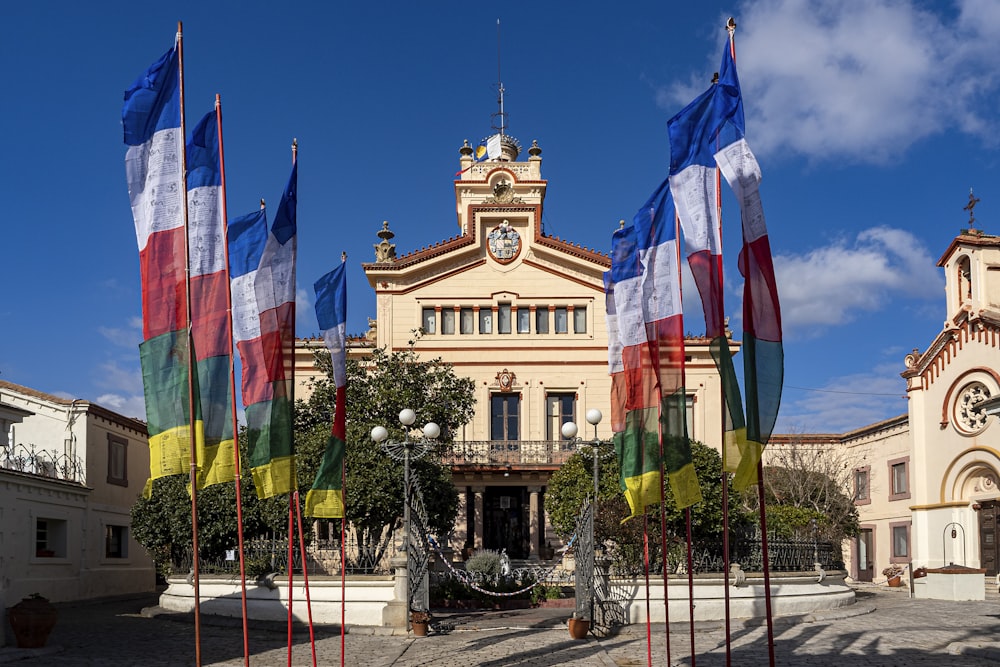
508, 452
42, 463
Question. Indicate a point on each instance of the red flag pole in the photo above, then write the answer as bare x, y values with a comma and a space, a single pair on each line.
305, 575
720, 318
663, 537
645, 562
193, 452
237, 474
690, 569
291, 570
731, 27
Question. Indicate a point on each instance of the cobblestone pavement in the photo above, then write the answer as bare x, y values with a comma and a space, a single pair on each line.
883, 629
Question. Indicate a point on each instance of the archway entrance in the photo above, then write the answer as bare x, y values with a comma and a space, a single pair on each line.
505, 520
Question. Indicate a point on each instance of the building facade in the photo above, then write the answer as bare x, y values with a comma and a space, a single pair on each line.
522, 314
70, 471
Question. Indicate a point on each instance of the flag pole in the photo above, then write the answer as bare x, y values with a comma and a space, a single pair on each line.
305, 575
293, 496
731, 27
343, 530
193, 453
724, 402
645, 562
232, 393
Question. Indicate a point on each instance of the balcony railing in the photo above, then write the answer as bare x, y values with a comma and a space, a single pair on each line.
42, 463
508, 452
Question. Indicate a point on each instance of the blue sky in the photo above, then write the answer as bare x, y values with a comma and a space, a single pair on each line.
871, 120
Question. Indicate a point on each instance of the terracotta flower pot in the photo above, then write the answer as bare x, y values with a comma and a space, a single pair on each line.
578, 628
419, 628
895, 582
32, 619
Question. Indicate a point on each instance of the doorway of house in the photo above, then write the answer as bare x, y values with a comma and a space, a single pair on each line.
989, 547
505, 524
865, 554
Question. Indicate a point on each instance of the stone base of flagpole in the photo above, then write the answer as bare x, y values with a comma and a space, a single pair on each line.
395, 614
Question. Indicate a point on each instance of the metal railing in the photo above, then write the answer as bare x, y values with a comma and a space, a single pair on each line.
30, 460
508, 452
264, 555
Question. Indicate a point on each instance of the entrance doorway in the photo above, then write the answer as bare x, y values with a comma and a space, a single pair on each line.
989, 547
505, 520
864, 549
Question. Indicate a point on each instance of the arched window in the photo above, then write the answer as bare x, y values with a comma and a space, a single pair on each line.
964, 281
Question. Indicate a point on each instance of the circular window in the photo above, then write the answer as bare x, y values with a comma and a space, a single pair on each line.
969, 414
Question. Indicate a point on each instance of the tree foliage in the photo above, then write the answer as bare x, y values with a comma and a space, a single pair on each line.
573, 482
807, 492
377, 389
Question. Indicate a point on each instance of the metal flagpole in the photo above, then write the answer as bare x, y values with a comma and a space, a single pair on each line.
645, 562
232, 391
193, 453
291, 570
343, 527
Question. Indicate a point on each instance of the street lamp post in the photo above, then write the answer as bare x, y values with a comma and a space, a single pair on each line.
406, 451
585, 591
569, 430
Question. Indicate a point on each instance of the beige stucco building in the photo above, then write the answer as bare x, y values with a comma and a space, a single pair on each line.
522, 314
70, 471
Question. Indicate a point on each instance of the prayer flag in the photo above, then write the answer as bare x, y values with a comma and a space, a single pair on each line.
326, 498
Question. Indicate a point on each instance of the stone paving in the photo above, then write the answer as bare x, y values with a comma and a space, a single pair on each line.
884, 628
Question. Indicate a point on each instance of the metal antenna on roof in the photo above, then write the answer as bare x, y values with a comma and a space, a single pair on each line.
499, 117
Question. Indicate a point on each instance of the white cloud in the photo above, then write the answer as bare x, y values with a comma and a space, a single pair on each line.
860, 80
130, 406
305, 316
833, 285
844, 403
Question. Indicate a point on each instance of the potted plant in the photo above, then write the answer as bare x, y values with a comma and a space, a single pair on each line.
578, 627
893, 575
32, 619
419, 620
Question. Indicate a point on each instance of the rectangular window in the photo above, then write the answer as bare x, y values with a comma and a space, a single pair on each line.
580, 320
861, 486
559, 409
523, 321
448, 321
116, 541
504, 412
428, 321
900, 541
117, 460
542, 321
468, 321
485, 321
561, 321
503, 318
899, 478
50, 538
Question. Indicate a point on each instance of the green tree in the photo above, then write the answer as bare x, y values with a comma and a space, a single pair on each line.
574, 481
378, 387
807, 491
162, 523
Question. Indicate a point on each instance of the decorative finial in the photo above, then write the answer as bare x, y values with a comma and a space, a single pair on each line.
973, 200
731, 26
385, 252
343, 257
621, 225
262, 204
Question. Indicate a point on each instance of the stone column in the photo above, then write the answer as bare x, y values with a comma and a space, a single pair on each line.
477, 518
534, 525
395, 614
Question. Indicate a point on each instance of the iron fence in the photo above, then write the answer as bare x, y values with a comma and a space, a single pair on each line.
265, 555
